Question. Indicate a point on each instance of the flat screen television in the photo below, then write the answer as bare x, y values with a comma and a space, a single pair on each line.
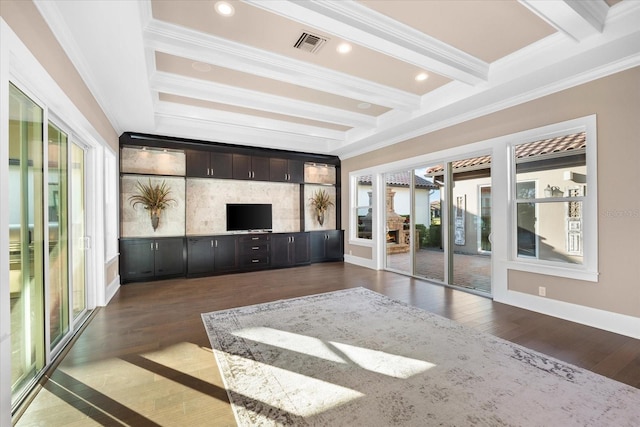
249, 217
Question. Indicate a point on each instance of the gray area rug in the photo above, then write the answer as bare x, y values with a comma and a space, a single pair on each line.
358, 358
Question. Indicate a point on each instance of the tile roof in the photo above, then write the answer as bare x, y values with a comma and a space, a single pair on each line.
400, 179
558, 144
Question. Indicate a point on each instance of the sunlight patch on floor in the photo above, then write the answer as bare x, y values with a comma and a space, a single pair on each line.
371, 360
297, 394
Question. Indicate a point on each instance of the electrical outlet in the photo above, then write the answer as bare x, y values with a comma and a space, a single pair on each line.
542, 291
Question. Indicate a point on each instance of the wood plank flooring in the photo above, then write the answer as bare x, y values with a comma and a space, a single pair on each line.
145, 359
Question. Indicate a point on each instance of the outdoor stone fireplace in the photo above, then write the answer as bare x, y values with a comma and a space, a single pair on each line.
397, 237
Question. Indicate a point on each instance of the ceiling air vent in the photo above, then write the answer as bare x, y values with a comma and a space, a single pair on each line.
310, 42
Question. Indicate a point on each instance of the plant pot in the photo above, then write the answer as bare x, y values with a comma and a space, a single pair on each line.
321, 217
155, 220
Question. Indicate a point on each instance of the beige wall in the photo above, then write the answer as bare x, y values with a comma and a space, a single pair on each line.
25, 20
616, 102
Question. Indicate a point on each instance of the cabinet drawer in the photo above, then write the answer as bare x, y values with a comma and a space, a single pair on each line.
260, 259
259, 238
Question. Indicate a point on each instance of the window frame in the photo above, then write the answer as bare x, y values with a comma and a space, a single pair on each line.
354, 178
588, 270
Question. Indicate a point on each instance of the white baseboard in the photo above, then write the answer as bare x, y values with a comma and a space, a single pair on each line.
111, 290
601, 319
362, 262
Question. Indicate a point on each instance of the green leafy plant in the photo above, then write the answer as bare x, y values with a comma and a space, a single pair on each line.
154, 198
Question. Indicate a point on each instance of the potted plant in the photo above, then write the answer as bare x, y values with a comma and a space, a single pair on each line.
321, 202
154, 198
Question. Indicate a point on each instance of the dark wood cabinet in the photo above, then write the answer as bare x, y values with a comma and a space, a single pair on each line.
326, 246
283, 170
290, 249
207, 255
149, 259
199, 256
206, 164
254, 251
250, 167
225, 254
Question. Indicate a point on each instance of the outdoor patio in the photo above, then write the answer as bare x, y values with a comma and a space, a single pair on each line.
469, 271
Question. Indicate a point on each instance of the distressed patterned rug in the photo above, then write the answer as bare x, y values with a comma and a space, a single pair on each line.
358, 358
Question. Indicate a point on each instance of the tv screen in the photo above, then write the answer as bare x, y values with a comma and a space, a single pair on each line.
248, 216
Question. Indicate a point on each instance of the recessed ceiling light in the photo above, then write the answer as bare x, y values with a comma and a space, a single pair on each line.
201, 66
225, 9
364, 106
422, 77
344, 48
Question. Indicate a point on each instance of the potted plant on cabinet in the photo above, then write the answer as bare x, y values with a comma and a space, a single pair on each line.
321, 202
154, 198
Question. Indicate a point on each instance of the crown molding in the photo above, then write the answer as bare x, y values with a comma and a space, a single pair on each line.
183, 42
217, 92
361, 25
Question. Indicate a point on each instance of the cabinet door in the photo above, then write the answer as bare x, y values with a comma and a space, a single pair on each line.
318, 247
301, 249
241, 166
333, 248
224, 254
199, 255
197, 163
221, 165
278, 170
296, 171
281, 250
169, 257
260, 168
136, 259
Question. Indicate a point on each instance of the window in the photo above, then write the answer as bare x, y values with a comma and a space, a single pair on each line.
551, 205
363, 206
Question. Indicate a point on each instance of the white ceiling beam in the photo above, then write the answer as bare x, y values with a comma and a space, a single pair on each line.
232, 95
578, 19
361, 25
246, 121
205, 130
187, 43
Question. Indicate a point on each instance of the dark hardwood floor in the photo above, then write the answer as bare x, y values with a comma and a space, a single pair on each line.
145, 359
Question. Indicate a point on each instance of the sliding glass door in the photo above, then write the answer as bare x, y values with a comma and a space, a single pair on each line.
26, 241
58, 247
47, 240
78, 233
438, 222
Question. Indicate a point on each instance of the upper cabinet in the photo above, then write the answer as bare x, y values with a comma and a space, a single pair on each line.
283, 170
206, 164
250, 167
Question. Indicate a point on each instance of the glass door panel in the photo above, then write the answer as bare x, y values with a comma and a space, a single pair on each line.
26, 244
397, 220
78, 232
58, 236
470, 223
427, 200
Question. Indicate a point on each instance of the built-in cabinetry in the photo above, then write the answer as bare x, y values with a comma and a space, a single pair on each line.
284, 170
150, 259
208, 255
250, 167
327, 245
192, 238
290, 249
206, 164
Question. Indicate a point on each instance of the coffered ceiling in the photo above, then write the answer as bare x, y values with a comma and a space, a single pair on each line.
182, 69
